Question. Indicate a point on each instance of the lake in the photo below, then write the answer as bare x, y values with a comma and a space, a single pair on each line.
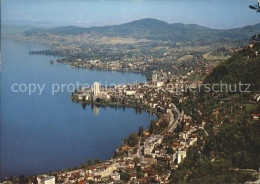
44, 133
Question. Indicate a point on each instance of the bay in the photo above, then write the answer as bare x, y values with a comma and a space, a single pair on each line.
44, 133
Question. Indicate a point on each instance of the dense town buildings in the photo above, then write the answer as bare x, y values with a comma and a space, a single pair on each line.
152, 150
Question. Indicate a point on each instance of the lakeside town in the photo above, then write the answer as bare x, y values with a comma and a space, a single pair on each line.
152, 154
137, 156
152, 147
177, 61
201, 135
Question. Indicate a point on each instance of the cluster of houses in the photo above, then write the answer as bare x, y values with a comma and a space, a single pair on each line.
111, 65
103, 172
139, 63
187, 138
106, 172
45, 179
153, 152
151, 143
152, 96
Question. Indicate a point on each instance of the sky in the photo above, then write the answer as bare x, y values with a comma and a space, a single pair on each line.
219, 14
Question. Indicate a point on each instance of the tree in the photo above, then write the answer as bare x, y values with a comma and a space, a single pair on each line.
170, 150
83, 165
133, 139
89, 162
142, 141
13, 179
255, 7
126, 141
125, 177
153, 126
139, 174
137, 160
32, 180
23, 180
96, 161
140, 132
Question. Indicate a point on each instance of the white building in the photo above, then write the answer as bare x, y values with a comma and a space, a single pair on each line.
148, 148
115, 176
106, 170
159, 84
151, 142
154, 77
45, 179
181, 156
130, 92
96, 88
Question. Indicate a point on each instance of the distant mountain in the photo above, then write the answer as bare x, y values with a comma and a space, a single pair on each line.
153, 29
241, 32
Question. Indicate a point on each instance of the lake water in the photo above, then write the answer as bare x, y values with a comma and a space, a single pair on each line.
43, 133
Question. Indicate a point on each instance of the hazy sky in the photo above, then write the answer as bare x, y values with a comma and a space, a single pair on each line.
210, 13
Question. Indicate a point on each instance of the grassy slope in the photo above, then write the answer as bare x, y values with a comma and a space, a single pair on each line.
238, 68
232, 150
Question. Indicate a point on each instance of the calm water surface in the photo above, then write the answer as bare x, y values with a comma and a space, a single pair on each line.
49, 132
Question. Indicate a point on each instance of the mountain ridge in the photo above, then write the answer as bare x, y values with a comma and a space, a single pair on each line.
154, 29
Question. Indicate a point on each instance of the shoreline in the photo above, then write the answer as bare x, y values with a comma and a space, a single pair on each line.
158, 115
